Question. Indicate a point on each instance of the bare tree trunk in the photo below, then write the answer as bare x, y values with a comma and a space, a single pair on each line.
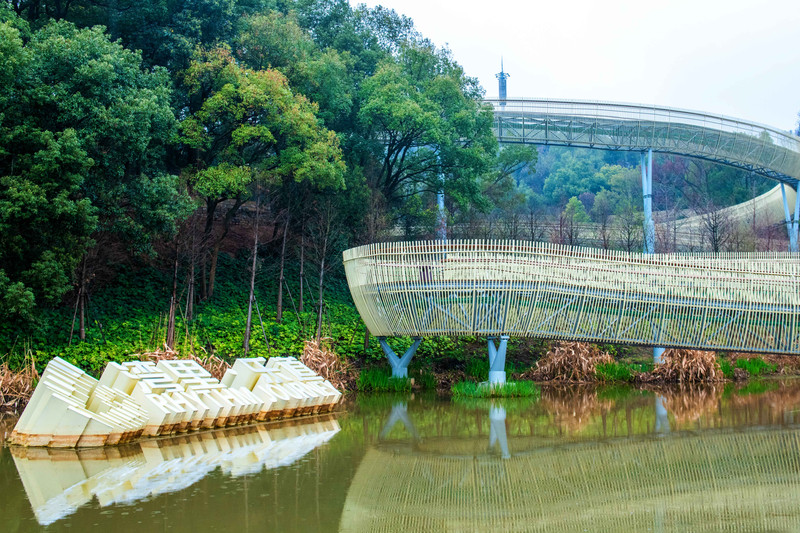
279, 314
190, 294
173, 304
246, 344
366, 340
321, 276
226, 225
82, 304
302, 262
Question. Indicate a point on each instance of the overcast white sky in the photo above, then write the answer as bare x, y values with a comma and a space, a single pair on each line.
734, 57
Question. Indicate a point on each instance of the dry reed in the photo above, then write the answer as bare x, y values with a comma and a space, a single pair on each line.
569, 361
681, 365
320, 357
16, 387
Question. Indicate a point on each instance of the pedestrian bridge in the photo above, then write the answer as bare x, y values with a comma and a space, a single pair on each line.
736, 302
765, 150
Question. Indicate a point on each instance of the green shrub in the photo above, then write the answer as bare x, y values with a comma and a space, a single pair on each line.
613, 371
509, 389
477, 368
756, 366
424, 379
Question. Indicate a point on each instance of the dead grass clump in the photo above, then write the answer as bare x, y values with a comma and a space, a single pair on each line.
215, 366
681, 365
569, 361
16, 387
320, 357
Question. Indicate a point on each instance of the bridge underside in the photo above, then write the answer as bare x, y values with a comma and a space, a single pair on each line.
732, 302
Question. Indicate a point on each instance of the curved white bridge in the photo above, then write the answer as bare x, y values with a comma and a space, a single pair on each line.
736, 302
762, 149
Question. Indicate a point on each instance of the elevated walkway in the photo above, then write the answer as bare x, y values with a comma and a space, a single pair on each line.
762, 149
737, 302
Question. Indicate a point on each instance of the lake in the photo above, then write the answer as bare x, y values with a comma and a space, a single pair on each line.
579, 458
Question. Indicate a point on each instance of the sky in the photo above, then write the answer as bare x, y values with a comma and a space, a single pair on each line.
739, 58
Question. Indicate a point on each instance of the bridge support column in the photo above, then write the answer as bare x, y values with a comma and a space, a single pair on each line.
649, 225
399, 364
497, 360
441, 219
792, 224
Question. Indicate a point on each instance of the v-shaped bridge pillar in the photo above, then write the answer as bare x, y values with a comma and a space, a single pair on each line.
497, 360
399, 364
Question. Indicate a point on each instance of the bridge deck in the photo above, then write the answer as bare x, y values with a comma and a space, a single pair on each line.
742, 302
616, 126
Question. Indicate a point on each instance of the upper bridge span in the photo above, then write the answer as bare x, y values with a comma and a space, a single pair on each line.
762, 149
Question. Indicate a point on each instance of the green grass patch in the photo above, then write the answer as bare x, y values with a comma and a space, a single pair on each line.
616, 371
380, 380
756, 366
509, 389
726, 367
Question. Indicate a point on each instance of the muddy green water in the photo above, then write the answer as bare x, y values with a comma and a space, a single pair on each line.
714, 458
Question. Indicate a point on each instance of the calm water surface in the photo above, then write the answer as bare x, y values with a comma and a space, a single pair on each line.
714, 458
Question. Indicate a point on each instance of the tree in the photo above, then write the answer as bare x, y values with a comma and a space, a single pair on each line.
629, 220
427, 127
250, 127
601, 215
82, 135
573, 221
276, 41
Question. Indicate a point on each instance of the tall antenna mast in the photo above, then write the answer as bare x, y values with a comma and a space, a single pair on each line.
502, 76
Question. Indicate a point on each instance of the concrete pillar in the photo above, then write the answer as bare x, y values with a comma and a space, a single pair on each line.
497, 360
649, 225
441, 219
647, 193
399, 364
792, 224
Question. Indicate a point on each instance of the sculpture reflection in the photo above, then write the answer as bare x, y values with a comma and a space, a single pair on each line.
58, 482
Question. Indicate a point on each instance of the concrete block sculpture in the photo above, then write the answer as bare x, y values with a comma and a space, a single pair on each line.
285, 385
71, 409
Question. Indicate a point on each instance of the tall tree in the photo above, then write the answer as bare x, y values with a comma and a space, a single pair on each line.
427, 126
250, 127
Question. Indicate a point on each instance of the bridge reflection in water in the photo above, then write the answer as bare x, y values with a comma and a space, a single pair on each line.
59, 481
656, 478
